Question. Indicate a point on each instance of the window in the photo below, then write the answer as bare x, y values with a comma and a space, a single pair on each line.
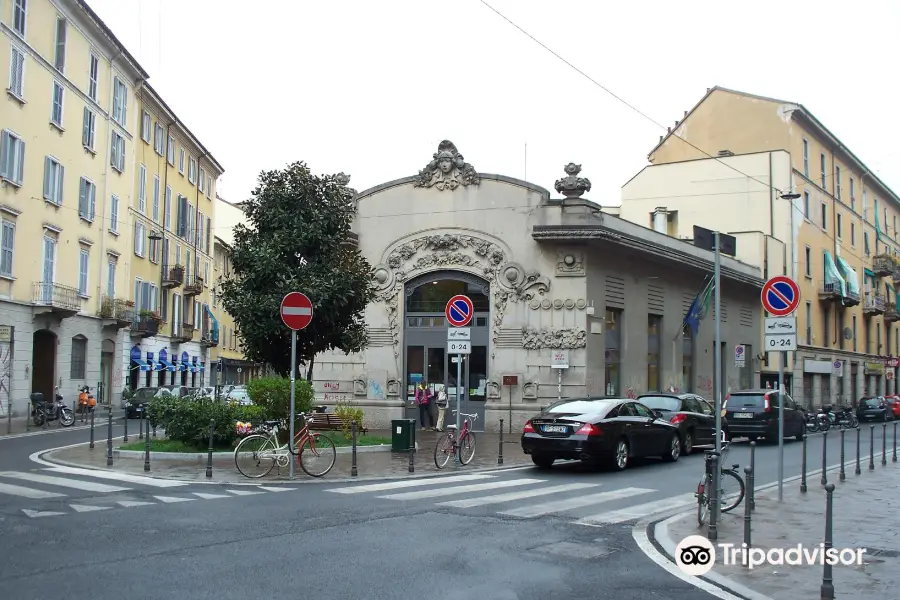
111, 278
202, 181
139, 238
93, 77
208, 237
7, 242
866, 242
17, 72
808, 266
806, 158
806, 205
53, 180
146, 124
86, 199
809, 323
824, 216
12, 157
120, 102
170, 151
687, 359
90, 126
895, 228
837, 181
181, 161
824, 171
156, 198
83, 265
854, 333
117, 152
192, 170
852, 194
49, 272
840, 223
114, 214
20, 12
59, 59
852, 234
167, 217
56, 111
613, 354
154, 250
206, 273
79, 357
208, 186
826, 331
865, 204
159, 139
142, 190
654, 330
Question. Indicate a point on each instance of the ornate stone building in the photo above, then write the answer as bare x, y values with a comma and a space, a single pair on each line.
552, 281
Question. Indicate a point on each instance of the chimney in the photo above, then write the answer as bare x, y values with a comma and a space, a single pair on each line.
660, 216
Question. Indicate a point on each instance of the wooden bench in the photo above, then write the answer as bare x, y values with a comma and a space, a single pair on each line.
330, 422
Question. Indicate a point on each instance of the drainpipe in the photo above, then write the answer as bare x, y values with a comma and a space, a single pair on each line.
196, 236
771, 220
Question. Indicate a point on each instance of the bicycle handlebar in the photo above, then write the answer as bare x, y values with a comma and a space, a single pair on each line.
473, 417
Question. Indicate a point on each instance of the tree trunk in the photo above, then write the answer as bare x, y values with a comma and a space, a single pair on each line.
309, 370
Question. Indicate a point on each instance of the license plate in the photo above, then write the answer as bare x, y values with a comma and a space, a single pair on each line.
743, 415
555, 428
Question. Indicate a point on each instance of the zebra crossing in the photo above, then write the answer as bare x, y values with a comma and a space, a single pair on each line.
71, 490
583, 503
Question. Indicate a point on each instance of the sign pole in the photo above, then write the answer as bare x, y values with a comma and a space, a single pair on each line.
293, 405
459, 312
781, 359
718, 364
459, 388
296, 313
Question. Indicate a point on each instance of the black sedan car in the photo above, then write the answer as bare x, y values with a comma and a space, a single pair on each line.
599, 429
694, 416
876, 408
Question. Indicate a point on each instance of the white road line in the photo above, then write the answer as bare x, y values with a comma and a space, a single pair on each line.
406, 483
123, 477
276, 489
512, 496
636, 512
172, 499
547, 508
87, 508
243, 492
210, 496
24, 492
88, 486
37, 513
460, 489
131, 503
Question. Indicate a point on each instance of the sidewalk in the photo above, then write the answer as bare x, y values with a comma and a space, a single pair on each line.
20, 425
370, 465
863, 518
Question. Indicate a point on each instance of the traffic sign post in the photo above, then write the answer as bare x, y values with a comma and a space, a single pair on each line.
559, 360
297, 313
459, 312
780, 298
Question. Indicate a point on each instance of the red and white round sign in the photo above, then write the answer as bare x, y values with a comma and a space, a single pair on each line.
296, 311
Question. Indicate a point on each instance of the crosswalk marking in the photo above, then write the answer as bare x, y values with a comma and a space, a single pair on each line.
123, 477
276, 489
88, 486
537, 510
87, 508
406, 483
38, 513
210, 496
512, 496
460, 489
24, 492
636, 512
131, 503
243, 492
172, 499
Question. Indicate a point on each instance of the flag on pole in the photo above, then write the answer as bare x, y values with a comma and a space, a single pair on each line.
699, 307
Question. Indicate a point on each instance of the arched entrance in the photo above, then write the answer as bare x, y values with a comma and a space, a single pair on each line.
43, 363
425, 342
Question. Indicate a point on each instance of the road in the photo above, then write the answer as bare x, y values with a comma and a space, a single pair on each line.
514, 534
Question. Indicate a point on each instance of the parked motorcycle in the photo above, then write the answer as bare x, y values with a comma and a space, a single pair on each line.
812, 421
86, 401
845, 418
43, 412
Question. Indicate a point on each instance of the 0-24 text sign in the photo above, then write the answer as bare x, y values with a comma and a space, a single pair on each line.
459, 347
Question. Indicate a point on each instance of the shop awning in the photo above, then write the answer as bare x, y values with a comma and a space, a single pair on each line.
164, 365
850, 276
142, 364
201, 367
193, 368
181, 367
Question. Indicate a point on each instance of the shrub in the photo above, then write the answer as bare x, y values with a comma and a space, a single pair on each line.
348, 412
187, 420
273, 394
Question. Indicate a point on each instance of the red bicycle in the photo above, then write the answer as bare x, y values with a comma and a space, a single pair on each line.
462, 446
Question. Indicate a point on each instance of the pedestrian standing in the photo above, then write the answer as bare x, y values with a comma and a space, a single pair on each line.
423, 399
442, 403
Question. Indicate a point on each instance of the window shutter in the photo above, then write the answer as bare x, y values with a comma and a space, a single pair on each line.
5, 155
93, 191
137, 294
59, 183
208, 232
86, 128
137, 238
48, 178
20, 155
82, 197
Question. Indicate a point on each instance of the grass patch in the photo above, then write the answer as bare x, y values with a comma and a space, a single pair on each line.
172, 446
361, 440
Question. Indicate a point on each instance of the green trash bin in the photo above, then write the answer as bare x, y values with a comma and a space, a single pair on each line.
403, 435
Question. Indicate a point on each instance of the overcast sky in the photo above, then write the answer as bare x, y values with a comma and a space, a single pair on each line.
371, 88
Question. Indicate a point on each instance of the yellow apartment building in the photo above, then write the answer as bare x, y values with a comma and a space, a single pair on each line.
68, 128
838, 239
172, 211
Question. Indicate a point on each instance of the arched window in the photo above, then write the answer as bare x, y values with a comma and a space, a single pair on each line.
79, 357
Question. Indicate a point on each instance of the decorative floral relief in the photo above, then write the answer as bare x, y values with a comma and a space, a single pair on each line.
567, 338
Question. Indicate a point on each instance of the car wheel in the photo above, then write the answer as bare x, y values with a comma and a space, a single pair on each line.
542, 462
687, 444
674, 450
620, 460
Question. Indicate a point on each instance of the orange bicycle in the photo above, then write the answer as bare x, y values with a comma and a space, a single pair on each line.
259, 452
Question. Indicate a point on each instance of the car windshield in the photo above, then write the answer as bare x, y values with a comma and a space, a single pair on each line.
872, 402
145, 393
582, 406
660, 402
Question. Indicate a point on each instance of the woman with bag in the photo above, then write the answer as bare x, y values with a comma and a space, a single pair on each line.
423, 399
441, 406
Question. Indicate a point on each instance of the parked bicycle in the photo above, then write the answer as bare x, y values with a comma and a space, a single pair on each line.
728, 499
462, 446
258, 453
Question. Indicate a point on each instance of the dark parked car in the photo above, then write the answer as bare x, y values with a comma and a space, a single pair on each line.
600, 428
694, 416
875, 408
138, 402
754, 414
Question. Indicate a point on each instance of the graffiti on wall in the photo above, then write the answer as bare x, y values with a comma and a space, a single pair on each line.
705, 384
376, 392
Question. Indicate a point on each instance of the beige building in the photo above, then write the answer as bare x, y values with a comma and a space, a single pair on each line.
838, 240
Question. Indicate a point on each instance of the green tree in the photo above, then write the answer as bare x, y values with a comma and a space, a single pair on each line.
297, 239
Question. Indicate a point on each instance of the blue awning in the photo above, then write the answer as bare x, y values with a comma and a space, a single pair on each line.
193, 369
215, 321
181, 367
201, 367
164, 365
142, 364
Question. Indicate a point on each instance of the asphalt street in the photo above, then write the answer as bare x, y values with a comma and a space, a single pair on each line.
513, 534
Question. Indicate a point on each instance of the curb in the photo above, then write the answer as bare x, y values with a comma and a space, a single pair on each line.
204, 456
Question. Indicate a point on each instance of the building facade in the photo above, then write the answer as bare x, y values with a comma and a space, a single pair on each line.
838, 239
553, 281
69, 123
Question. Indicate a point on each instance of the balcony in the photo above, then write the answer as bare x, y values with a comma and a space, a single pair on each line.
829, 290
51, 298
116, 313
145, 324
890, 312
172, 276
209, 336
193, 286
851, 298
874, 304
883, 265
183, 334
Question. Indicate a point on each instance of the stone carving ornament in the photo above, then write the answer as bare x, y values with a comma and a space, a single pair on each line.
557, 339
447, 170
570, 264
573, 186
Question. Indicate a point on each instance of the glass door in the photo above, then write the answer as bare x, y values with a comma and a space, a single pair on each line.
415, 373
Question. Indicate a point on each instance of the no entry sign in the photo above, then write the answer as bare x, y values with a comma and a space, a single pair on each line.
296, 311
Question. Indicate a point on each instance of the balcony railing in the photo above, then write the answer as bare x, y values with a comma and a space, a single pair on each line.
193, 286
883, 265
209, 336
121, 311
890, 313
829, 290
172, 276
874, 304
185, 333
59, 298
851, 298
145, 325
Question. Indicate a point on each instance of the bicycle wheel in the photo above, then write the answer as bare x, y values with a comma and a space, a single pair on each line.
702, 501
466, 448
254, 457
731, 498
443, 450
317, 455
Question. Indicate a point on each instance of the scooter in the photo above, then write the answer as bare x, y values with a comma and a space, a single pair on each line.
43, 412
86, 401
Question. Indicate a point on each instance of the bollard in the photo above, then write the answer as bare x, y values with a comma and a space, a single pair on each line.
141, 425
147, 448
858, 460
713, 531
827, 582
125, 421
894, 458
353, 469
748, 474
824, 478
843, 475
212, 433
412, 452
154, 432
500, 455
751, 490
803, 467
884, 444
109, 458
871, 447
92, 430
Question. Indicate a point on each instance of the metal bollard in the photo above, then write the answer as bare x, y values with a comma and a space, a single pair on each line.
827, 590
713, 531
843, 475
824, 478
871, 447
109, 457
884, 444
748, 474
147, 448
751, 488
858, 459
125, 421
500, 455
212, 433
92, 430
353, 469
141, 425
154, 432
894, 458
803, 467
412, 452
